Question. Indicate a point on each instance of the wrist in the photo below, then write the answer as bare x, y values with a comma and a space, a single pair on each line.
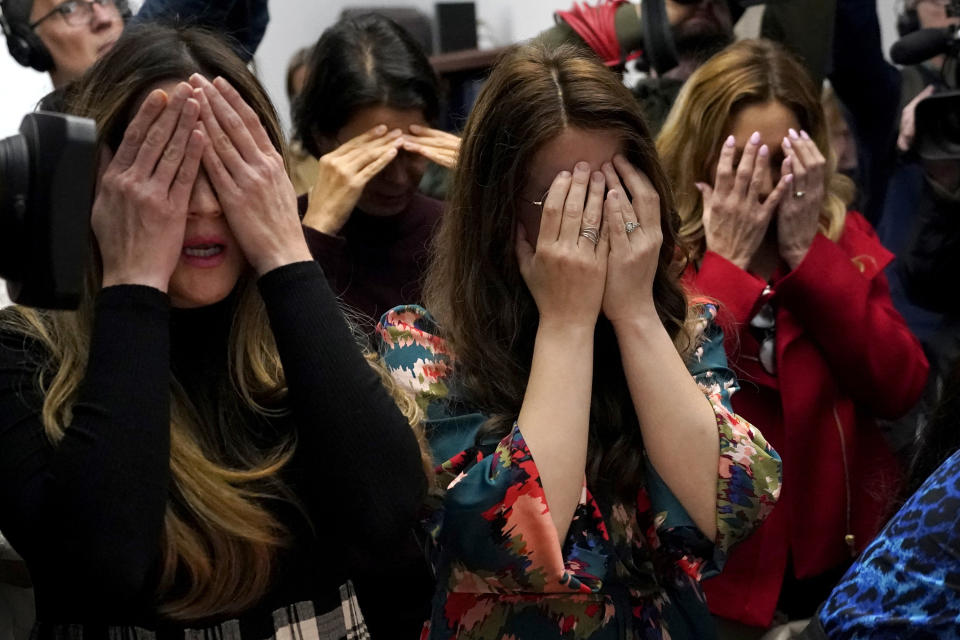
642, 323
565, 328
113, 277
282, 258
323, 220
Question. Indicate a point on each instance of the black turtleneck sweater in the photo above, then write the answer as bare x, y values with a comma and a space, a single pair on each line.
377, 262
87, 514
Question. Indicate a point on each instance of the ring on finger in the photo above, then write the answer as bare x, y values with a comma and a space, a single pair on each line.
592, 234
631, 226
799, 194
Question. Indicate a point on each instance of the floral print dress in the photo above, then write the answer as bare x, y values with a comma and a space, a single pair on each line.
624, 571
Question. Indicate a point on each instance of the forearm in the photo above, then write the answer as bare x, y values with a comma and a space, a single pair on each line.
678, 423
555, 415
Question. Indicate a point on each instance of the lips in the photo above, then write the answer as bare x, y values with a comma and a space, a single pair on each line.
204, 252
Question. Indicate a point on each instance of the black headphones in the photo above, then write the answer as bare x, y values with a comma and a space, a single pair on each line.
24, 44
907, 19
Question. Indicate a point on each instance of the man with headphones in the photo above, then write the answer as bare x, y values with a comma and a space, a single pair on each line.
63, 38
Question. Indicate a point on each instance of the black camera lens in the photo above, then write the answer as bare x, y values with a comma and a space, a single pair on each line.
46, 192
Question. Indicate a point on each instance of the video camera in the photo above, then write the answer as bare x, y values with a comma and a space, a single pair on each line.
937, 117
46, 193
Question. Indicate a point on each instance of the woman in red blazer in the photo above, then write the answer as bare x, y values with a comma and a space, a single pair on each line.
815, 340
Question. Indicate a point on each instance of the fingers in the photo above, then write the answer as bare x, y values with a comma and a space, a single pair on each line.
438, 155
359, 157
797, 167
524, 250
233, 129
613, 219
553, 208
613, 180
159, 133
386, 157
725, 176
220, 177
745, 169
173, 155
807, 150
189, 168
249, 117
593, 212
645, 207
436, 137
784, 185
761, 173
369, 136
219, 142
572, 222
136, 131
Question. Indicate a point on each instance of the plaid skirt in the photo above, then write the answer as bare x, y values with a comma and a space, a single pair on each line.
299, 621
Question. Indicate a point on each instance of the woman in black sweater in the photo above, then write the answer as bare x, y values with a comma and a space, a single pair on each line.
201, 445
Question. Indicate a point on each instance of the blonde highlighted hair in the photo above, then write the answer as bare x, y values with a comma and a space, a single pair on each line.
749, 72
219, 540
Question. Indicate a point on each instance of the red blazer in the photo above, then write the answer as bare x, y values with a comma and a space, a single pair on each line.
844, 356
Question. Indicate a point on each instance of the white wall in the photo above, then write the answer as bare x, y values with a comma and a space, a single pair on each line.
297, 23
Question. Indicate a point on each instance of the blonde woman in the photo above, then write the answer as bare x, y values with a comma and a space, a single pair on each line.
200, 450
813, 334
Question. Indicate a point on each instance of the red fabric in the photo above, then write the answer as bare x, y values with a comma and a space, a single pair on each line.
597, 27
844, 356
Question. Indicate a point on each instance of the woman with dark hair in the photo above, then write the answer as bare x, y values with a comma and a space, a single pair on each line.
578, 403
365, 112
200, 450
800, 281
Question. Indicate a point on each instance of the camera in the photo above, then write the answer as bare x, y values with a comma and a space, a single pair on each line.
938, 116
47, 175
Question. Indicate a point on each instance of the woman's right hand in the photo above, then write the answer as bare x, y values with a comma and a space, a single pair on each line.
734, 219
344, 173
566, 271
140, 210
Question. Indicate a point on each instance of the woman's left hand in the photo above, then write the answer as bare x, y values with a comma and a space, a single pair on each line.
436, 146
634, 255
798, 218
250, 179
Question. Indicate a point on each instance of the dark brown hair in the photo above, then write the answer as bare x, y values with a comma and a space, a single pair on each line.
474, 287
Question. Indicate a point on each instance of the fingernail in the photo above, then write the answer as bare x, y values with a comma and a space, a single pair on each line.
415, 128
581, 167
731, 142
755, 138
794, 134
788, 178
381, 129
764, 151
158, 97
597, 177
786, 143
220, 82
396, 132
563, 174
196, 78
804, 135
183, 91
699, 186
787, 161
614, 194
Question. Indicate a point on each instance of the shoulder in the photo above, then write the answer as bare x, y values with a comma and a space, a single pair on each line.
425, 207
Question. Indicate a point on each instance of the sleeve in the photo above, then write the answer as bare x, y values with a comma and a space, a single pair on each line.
87, 514
329, 252
749, 472
843, 302
736, 292
416, 356
347, 421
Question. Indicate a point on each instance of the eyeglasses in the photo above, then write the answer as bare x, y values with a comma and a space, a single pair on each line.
75, 13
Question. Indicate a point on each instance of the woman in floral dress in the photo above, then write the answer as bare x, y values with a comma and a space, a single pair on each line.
591, 468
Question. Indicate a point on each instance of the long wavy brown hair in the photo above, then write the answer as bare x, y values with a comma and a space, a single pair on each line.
473, 285
220, 538
746, 73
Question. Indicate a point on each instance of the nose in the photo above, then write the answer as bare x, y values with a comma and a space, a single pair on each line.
103, 15
395, 172
203, 199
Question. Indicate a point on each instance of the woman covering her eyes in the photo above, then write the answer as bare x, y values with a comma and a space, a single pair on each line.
578, 401
800, 285
201, 450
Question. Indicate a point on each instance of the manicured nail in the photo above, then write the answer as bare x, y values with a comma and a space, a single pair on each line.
794, 134
755, 138
788, 178
764, 151
787, 144
731, 142
804, 135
